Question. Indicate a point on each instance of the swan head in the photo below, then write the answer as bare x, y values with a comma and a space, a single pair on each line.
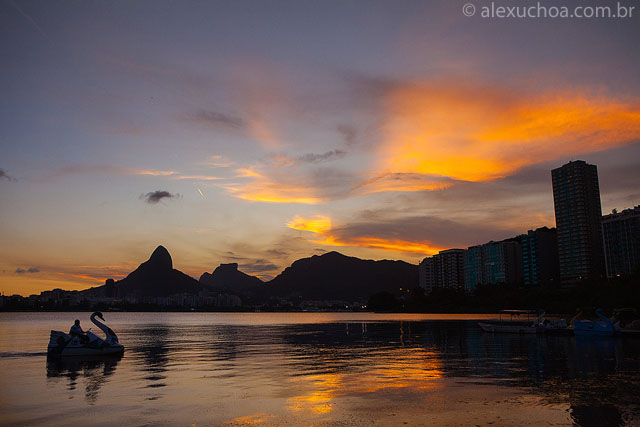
98, 314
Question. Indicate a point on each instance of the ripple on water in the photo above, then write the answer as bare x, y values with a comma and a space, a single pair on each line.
214, 369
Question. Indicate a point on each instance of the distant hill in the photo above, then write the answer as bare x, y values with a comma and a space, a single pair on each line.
336, 276
156, 277
331, 276
227, 277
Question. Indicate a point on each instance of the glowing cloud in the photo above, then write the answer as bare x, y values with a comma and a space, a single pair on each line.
248, 173
395, 245
320, 225
199, 177
154, 173
401, 182
272, 190
219, 161
434, 134
479, 133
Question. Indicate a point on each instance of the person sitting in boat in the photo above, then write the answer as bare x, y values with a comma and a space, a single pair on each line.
76, 331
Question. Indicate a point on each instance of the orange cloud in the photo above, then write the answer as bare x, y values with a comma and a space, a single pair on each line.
248, 173
86, 273
219, 161
176, 175
476, 134
320, 225
434, 134
396, 245
199, 177
400, 182
262, 188
274, 192
154, 173
282, 182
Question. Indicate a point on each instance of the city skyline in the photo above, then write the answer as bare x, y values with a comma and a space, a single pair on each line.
260, 135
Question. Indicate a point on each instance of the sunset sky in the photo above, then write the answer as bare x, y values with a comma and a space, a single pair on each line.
260, 132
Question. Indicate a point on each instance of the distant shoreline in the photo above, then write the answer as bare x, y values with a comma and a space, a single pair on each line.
267, 311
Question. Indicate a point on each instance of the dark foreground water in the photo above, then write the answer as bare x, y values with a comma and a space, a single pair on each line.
325, 369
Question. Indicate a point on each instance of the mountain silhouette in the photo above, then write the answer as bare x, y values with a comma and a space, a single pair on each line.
156, 277
227, 277
331, 276
340, 277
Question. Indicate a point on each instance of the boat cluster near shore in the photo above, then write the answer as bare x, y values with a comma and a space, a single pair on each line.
524, 322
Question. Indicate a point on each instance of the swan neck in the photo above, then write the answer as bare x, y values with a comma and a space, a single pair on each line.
99, 324
606, 320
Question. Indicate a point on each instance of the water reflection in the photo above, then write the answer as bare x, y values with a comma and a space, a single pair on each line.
94, 370
312, 372
151, 357
597, 377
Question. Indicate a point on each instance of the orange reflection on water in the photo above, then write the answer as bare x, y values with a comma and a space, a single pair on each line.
260, 418
400, 377
416, 369
324, 388
412, 369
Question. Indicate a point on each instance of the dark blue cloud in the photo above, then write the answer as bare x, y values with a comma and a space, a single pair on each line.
155, 196
27, 270
4, 175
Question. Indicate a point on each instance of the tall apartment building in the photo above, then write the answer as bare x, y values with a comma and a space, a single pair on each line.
621, 237
473, 268
443, 270
427, 274
450, 268
540, 257
492, 263
576, 199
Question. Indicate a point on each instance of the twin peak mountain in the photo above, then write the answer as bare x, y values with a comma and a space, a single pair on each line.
331, 276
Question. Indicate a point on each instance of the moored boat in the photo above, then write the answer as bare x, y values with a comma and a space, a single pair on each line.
555, 327
512, 321
603, 327
628, 321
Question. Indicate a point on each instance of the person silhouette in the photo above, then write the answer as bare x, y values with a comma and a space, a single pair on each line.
76, 329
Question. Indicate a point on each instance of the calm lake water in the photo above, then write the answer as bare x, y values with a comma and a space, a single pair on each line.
321, 369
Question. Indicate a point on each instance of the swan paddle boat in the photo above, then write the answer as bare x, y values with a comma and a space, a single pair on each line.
61, 344
604, 327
